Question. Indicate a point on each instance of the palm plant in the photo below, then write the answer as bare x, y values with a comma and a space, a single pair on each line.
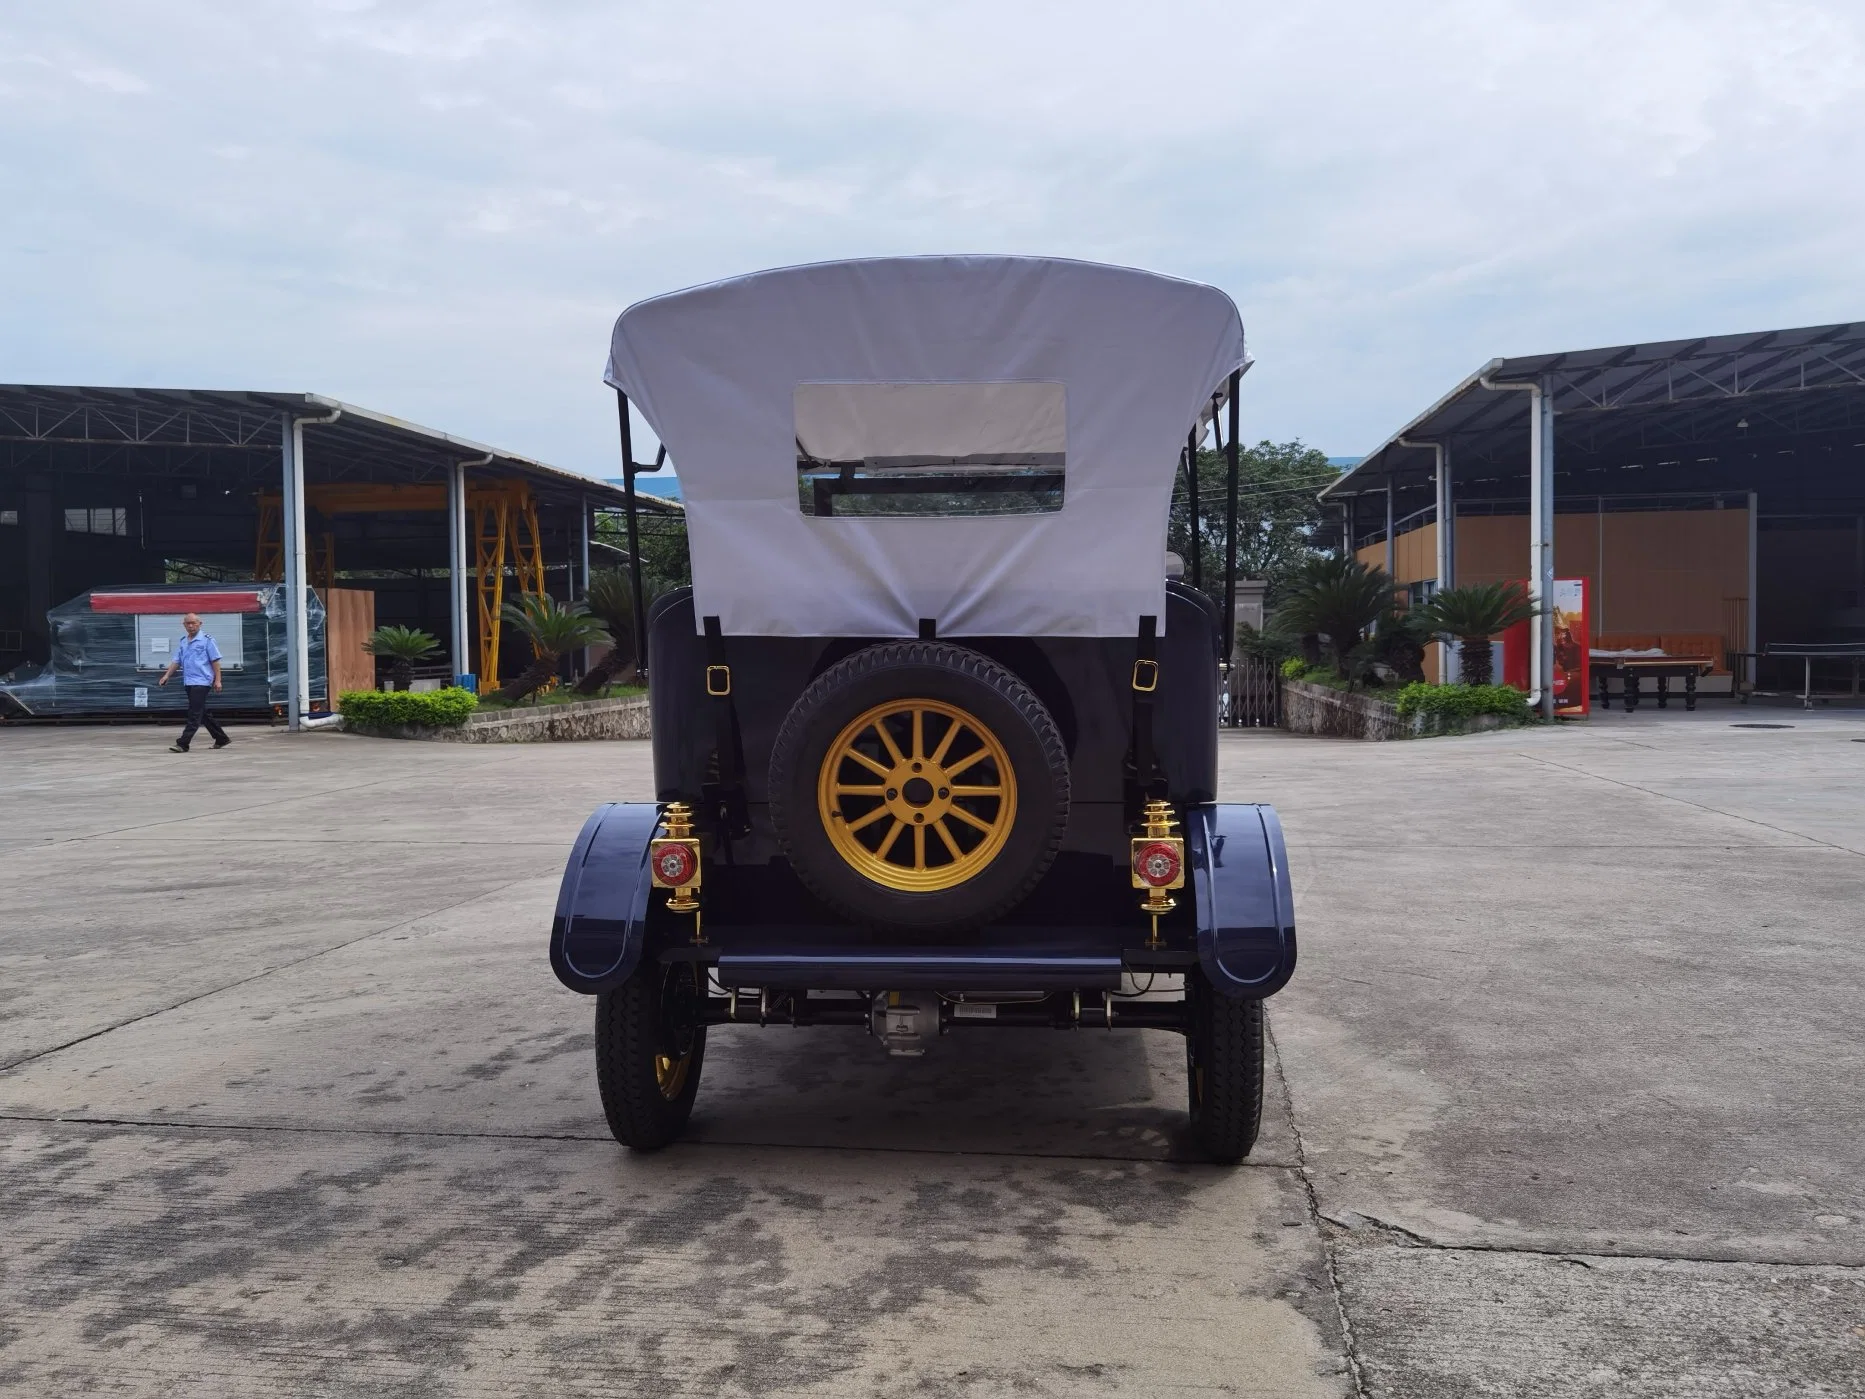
403, 646
1473, 614
1398, 642
612, 601
552, 628
1338, 599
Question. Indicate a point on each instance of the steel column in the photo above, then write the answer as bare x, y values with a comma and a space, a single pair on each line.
297, 619
1447, 522
1447, 554
1752, 642
1392, 556
582, 529
459, 615
1541, 548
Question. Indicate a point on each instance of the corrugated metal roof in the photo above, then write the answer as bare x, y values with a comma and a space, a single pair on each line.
1624, 397
360, 444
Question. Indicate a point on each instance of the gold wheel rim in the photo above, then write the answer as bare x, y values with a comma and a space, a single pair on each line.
670, 1070
917, 795
670, 1073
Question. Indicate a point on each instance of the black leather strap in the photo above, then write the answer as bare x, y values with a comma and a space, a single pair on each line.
729, 798
1146, 773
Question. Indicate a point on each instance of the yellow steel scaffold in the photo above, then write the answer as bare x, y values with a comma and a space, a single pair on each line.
502, 517
501, 520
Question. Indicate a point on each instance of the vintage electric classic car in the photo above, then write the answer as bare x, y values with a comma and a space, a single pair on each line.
934, 735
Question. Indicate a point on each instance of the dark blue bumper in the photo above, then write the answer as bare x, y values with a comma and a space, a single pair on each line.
1239, 889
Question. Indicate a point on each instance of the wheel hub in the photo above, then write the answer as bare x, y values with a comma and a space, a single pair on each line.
917, 794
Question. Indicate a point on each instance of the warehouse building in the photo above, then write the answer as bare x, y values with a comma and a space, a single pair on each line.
106, 487
1710, 492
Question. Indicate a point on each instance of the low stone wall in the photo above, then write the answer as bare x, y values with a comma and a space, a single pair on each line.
1441, 725
1317, 709
543, 723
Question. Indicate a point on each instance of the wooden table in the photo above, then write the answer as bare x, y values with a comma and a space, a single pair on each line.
1632, 669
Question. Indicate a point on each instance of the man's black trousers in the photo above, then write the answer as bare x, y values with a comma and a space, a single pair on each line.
198, 716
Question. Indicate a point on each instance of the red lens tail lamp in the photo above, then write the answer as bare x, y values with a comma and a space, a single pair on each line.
674, 863
1158, 859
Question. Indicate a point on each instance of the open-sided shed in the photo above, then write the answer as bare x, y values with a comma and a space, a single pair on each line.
1708, 487
109, 486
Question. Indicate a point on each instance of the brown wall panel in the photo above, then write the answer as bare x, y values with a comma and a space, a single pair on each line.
1664, 570
349, 618
1672, 570
1414, 555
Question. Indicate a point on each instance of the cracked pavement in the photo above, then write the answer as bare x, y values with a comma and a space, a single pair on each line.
1569, 1099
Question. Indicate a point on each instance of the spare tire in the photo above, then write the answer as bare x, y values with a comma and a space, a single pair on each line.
919, 786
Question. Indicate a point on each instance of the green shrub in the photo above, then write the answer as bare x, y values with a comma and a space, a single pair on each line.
434, 709
1294, 668
1463, 701
562, 695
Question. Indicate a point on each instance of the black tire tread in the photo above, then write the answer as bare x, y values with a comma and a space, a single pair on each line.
1227, 1041
946, 656
627, 1035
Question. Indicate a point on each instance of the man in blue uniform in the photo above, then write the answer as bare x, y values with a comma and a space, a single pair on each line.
198, 660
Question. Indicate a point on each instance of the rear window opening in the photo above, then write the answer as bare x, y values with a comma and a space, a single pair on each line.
931, 449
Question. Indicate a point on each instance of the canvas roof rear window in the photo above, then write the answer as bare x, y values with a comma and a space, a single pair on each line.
931, 449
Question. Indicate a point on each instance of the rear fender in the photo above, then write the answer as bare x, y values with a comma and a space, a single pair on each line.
602, 905
1241, 893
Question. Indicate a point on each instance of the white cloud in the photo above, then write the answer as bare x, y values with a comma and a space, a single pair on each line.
437, 209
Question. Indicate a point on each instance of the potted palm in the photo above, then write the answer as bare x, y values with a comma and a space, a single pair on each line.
1339, 599
552, 628
403, 646
1473, 614
612, 602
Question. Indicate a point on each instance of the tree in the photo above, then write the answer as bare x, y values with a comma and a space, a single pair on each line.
552, 628
612, 602
1473, 614
1339, 599
665, 562
403, 646
1277, 514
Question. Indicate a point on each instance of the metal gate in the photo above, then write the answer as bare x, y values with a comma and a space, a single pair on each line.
1253, 693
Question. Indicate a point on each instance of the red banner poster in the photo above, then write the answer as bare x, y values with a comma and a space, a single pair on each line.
1572, 664
1573, 670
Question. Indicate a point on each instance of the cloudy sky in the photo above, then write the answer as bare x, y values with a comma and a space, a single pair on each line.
437, 209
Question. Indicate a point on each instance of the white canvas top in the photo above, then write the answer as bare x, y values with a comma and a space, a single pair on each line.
735, 378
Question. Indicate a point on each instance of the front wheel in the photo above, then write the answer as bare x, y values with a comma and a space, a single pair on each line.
1224, 1069
650, 1045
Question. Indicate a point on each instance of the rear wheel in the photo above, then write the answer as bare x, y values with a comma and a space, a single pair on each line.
919, 785
1224, 1069
649, 1049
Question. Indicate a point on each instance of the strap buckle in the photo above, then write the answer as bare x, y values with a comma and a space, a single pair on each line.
1150, 671
718, 681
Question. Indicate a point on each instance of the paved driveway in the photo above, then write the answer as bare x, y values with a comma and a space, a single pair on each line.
289, 1100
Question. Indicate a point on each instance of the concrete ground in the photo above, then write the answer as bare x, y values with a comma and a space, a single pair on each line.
1569, 1099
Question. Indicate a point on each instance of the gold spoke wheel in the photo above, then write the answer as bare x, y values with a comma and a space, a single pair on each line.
670, 1074
917, 795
